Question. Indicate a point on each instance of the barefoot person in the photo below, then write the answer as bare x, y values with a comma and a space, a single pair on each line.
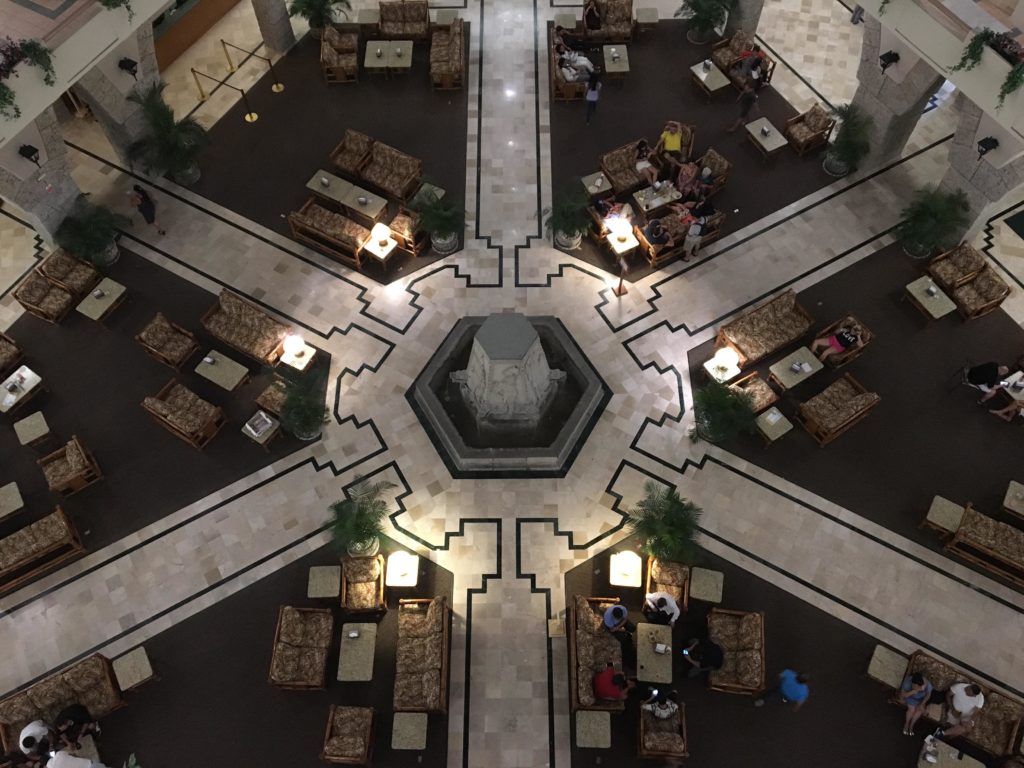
846, 337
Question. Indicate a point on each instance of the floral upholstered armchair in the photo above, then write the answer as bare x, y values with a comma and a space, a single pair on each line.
70, 469
362, 584
167, 342
809, 130
184, 414
348, 739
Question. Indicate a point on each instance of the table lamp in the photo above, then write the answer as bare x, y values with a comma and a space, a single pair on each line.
381, 233
294, 345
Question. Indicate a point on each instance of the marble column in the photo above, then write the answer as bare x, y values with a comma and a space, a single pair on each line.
894, 99
745, 17
275, 24
106, 87
47, 193
982, 180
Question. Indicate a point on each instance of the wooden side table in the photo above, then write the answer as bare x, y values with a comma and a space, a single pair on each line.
409, 731
593, 729
324, 581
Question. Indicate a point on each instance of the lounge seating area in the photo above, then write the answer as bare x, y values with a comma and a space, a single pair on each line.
73, 275
591, 649
301, 643
329, 232
728, 54
766, 329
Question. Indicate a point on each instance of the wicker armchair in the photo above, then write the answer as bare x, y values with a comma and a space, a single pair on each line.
70, 469
272, 398
167, 342
339, 56
184, 414
839, 359
73, 275
349, 736
719, 166
362, 584
673, 578
351, 152
956, 267
44, 299
10, 354
810, 130
662, 738
981, 294
761, 394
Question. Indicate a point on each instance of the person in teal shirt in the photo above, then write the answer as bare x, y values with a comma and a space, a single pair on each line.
792, 687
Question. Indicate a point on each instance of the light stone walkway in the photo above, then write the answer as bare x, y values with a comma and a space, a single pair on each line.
499, 536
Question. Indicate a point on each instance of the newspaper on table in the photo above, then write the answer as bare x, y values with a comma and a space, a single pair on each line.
258, 425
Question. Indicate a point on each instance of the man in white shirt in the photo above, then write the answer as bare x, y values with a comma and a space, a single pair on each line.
31, 735
65, 759
663, 603
963, 702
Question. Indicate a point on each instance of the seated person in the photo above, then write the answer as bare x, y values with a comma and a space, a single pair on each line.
987, 378
750, 62
658, 236
693, 184
576, 60
72, 723
660, 607
610, 685
643, 162
963, 702
569, 73
609, 209
591, 15
34, 735
1006, 414
846, 337
661, 704
616, 617
670, 144
568, 39
702, 656
914, 693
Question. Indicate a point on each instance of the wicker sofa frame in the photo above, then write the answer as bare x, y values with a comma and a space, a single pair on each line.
824, 435
45, 559
446, 630
986, 274
969, 548
301, 684
447, 73
304, 232
88, 276
271, 357
747, 358
571, 634
730, 687
956, 267
619, 33
196, 439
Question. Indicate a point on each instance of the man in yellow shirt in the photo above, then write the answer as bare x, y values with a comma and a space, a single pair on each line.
670, 145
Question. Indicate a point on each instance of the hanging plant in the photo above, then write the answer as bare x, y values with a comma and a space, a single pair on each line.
113, 5
971, 56
881, 8
13, 53
1014, 80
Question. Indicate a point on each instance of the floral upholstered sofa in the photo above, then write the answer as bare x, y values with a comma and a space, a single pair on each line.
71, 274
981, 294
36, 548
351, 152
44, 299
766, 329
397, 173
619, 166
10, 354
421, 667
184, 414
616, 21
404, 19
956, 266
246, 327
673, 578
362, 584
591, 648
741, 637
993, 545
332, 233
89, 682
167, 342
836, 408
998, 723
349, 736
448, 56
663, 737
301, 642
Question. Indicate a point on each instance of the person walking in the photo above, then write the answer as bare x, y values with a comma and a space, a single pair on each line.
593, 94
792, 687
747, 100
144, 204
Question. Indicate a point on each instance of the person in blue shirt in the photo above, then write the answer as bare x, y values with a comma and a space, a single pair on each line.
915, 692
792, 687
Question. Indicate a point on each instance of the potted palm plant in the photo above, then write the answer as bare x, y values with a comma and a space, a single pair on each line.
705, 17
169, 147
852, 142
90, 233
933, 221
667, 523
443, 221
303, 412
319, 13
721, 413
567, 218
356, 524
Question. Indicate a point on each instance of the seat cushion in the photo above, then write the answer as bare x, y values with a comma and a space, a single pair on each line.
349, 733
362, 596
767, 328
740, 668
51, 695
359, 569
93, 687
837, 404
417, 621
418, 690
297, 665
187, 411
620, 167
417, 654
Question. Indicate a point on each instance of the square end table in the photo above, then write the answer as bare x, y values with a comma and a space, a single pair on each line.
593, 729
944, 515
887, 666
132, 669
706, 585
767, 145
409, 731
772, 424
324, 581
32, 430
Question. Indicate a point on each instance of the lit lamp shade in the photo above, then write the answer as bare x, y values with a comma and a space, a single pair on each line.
727, 357
402, 570
380, 233
620, 228
294, 345
625, 569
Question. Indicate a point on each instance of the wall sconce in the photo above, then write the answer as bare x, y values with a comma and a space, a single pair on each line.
986, 145
30, 153
130, 66
887, 59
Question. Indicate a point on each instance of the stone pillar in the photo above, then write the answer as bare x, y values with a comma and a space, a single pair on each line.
275, 24
983, 182
745, 17
46, 194
894, 99
105, 88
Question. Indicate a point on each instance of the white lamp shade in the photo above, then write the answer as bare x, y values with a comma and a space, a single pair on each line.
727, 356
293, 344
380, 233
619, 227
625, 569
403, 569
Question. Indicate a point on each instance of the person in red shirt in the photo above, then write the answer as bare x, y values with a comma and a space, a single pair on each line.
610, 685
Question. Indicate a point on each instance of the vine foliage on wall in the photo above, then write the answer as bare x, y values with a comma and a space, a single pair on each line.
113, 5
13, 53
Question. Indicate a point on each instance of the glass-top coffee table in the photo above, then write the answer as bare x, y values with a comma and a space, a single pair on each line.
616, 60
222, 370
767, 144
709, 78
794, 368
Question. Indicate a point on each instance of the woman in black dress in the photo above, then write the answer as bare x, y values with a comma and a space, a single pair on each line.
146, 207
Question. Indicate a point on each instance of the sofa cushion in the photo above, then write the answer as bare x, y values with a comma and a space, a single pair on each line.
186, 410
51, 695
67, 270
391, 170
662, 734
18, 709
711, 159
417, 654
297, 665
360, 569
349, 732
362, 596
587, 620
93, 686
981, 291
740, 668
816, 119
418, 690
837, 404
33, 288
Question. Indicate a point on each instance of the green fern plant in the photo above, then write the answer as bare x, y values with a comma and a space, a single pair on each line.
319, 13
357, 521
1014, 80
933, 220
568, 213
721, 413
9, 109
38, 55
705, 16
971, 56
113, 5
852, 142
667, 523
169, 147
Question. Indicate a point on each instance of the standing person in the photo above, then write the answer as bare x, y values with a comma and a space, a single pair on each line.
792, 686
914, 693
593, 93
144, 204
747, 100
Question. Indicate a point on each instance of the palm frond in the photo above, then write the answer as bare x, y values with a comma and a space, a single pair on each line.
667, 523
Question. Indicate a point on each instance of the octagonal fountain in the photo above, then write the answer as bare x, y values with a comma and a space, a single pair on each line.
508, 396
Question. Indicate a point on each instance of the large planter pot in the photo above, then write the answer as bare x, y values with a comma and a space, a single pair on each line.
317, 33
834, 167
568, 242
916, 250
364, 549
312, 434
189, 176
108, 258
444, 244
698, 38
